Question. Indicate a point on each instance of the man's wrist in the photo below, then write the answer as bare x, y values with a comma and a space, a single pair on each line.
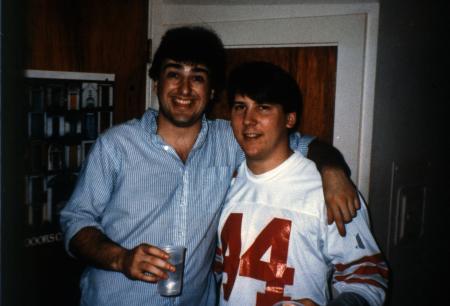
325, 155
118, 259
334, 174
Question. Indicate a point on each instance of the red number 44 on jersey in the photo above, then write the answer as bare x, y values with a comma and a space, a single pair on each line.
275, 273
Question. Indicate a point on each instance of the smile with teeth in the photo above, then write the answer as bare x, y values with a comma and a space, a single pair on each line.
183, 101
251, 135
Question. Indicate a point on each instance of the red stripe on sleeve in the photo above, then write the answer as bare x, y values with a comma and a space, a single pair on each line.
375, 259
367, 270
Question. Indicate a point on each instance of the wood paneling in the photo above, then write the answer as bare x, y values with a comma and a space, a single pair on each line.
314, 68
107, 36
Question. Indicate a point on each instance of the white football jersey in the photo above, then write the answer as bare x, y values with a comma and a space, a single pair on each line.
275, 244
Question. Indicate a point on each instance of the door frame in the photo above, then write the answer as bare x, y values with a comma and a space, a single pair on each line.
353, 27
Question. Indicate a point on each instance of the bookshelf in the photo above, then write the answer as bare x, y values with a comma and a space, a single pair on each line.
66, 111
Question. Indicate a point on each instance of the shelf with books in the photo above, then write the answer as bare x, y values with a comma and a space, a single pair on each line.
66, 111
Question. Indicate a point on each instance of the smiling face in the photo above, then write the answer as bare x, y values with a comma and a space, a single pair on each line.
183, 92
261, 130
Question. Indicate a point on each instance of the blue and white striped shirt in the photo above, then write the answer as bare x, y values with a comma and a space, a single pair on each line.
135, 189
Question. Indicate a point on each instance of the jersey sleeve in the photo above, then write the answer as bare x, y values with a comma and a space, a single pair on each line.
359, 266
92, 192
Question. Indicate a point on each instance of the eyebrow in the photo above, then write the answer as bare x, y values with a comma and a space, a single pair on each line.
237, 101
180, 66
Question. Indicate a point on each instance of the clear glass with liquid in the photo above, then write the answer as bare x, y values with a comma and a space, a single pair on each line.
173, 284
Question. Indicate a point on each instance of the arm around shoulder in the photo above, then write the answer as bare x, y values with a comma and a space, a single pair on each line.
325, 155
341, 196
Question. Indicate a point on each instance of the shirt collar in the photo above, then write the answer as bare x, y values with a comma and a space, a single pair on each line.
150, 124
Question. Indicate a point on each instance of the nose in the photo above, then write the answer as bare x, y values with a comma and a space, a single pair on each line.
249, 116
185, 86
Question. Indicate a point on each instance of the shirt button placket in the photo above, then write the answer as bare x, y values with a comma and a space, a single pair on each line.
183, 208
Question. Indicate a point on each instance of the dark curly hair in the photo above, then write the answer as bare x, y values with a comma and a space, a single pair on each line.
195, 45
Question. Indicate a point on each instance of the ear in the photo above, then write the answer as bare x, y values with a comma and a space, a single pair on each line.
291, 119
155, 86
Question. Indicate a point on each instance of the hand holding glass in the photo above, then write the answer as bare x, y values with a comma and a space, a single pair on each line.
173, 284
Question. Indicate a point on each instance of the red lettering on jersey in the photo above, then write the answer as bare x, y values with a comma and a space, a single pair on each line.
231, 238
275, 273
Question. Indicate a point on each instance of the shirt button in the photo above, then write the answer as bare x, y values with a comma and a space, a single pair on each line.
166, 148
